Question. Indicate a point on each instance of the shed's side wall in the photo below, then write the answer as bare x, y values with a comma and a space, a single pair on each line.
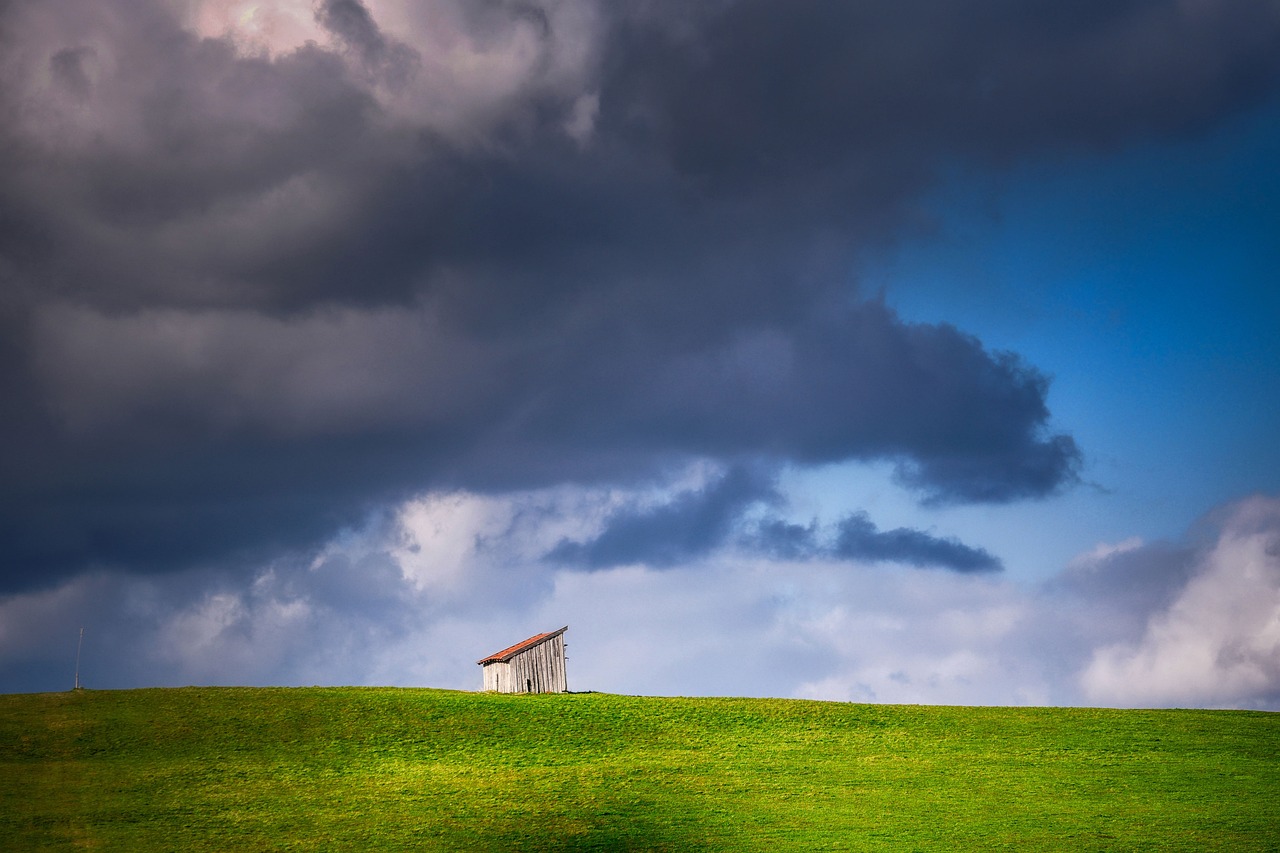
496, 676
540, 669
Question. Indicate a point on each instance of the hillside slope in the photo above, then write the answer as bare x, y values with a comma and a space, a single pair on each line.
383, 768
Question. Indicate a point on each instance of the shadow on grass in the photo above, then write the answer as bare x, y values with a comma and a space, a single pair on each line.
618, 831
631, 810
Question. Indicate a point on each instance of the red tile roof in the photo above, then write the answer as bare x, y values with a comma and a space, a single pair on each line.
510, 652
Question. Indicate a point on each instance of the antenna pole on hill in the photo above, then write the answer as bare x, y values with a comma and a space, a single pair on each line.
79, 646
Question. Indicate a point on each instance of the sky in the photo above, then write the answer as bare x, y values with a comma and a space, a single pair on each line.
918, 351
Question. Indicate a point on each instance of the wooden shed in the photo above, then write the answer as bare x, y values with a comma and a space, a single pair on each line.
535, 665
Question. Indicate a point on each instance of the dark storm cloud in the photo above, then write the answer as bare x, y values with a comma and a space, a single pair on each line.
966, 424
388, 61
754, 91
696, 522
351, 22
248, 297
689, 526
858, 539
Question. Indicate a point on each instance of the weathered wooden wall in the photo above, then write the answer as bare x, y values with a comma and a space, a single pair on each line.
540, 669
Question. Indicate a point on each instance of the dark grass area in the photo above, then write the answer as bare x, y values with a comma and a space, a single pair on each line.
399, 769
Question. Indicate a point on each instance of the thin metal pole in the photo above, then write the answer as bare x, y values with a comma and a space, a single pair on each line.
79, 646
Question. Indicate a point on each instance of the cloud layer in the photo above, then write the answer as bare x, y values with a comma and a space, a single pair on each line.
412, 600
735, 509
268, 269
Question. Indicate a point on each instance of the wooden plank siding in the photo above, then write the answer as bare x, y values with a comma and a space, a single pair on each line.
536, 665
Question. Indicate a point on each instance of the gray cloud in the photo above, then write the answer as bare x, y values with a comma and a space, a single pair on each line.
387, 61
859, 539
69, 70
250, 296
689, 526
786, 540
754, 92
350, 21
695, 523
1125, 585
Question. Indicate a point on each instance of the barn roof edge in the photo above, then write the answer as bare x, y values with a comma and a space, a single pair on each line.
511, 651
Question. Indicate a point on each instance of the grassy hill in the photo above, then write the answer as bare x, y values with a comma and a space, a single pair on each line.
395, 769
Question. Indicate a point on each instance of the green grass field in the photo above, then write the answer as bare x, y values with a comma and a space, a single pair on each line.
397, 769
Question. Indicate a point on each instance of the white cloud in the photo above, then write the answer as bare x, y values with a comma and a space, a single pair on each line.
256, 25
1218, 643
1103, 551
924, 638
